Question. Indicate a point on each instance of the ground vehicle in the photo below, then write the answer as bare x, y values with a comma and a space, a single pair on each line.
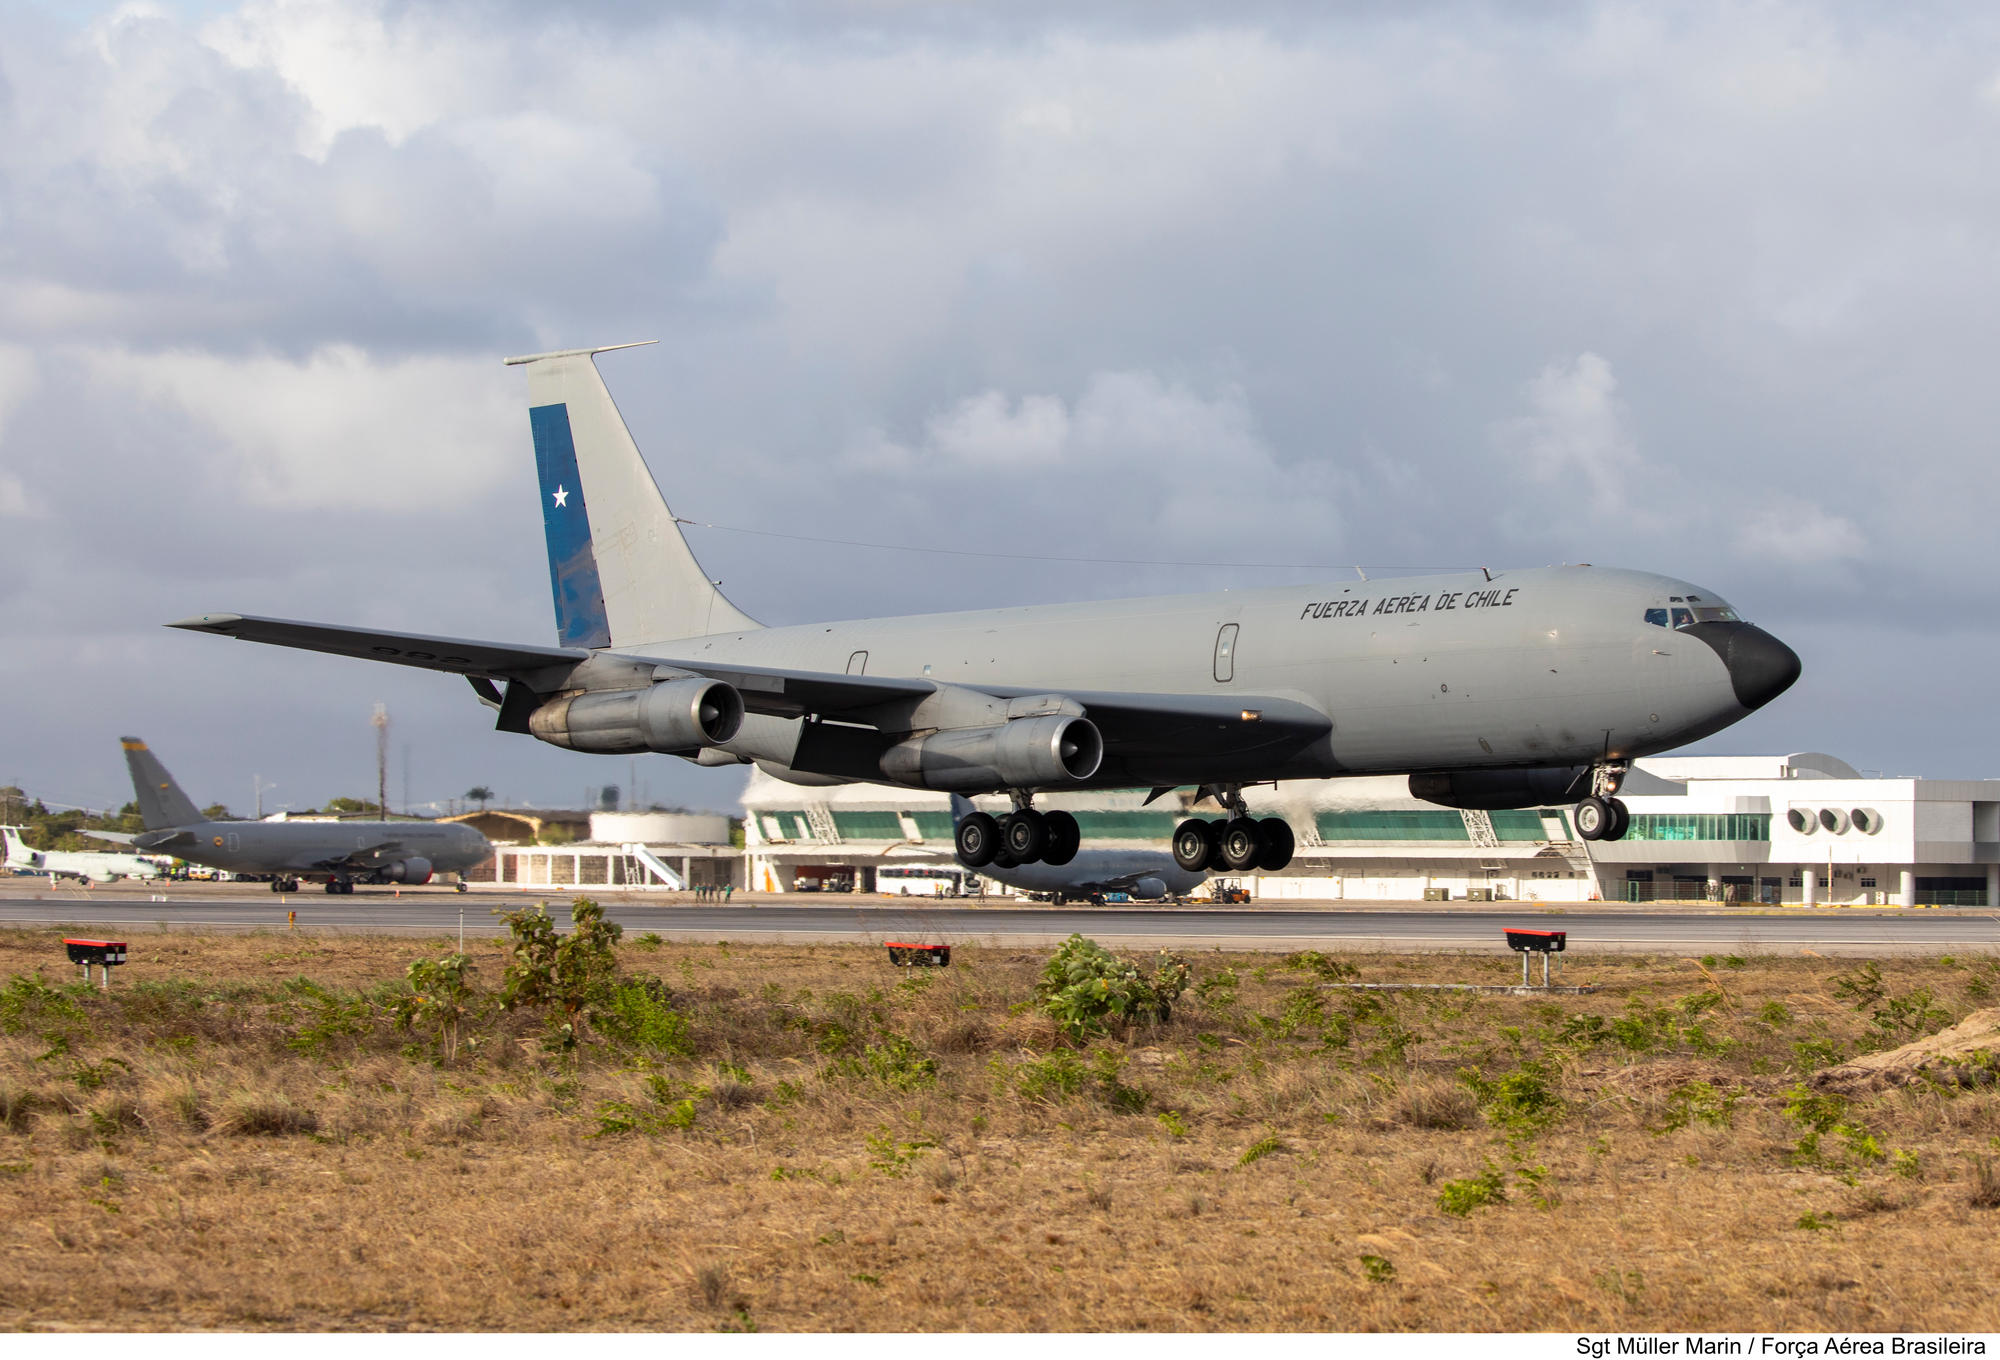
920, 880
1227, 891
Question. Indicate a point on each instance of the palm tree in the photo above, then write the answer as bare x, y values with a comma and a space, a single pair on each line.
479, 794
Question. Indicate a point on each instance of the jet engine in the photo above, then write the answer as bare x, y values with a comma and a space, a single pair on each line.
1149, 889
415, 869
1492, 790
1027, 753
674, 717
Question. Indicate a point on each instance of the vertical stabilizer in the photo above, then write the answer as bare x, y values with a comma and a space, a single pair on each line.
19, 855
161, 802
621, 573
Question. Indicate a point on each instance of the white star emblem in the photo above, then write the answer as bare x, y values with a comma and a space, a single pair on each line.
562, 496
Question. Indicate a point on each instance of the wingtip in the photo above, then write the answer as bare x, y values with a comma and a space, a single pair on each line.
208, 623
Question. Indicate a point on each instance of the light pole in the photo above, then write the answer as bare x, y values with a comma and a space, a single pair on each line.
380, 722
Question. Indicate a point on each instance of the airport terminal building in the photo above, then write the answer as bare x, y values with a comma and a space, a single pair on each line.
1803, 829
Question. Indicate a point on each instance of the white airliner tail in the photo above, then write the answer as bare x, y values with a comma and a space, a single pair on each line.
622, 574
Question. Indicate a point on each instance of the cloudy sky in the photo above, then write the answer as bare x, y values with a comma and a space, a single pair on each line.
1706, 289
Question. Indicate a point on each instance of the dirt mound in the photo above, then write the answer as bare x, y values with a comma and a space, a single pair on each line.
1967, 1054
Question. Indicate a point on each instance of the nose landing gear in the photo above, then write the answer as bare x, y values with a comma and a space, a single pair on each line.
1602, 816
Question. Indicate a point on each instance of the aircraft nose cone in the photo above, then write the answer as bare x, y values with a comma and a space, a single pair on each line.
1760, 667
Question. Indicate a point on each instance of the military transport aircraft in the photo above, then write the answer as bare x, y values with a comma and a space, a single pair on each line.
1490, 689
1067, 873
338, 852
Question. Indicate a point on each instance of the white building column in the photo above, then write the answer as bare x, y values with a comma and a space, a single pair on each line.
1808, 885
1906, 889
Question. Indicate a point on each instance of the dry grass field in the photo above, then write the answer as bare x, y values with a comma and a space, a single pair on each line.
239, 1135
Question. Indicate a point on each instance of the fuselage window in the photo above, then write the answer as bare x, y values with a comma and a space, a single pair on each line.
1225, 653
1683, 617
1657, 617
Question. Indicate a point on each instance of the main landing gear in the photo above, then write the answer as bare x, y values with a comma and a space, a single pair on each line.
284, 884
340, 885
1023, 836
1236, 843
1602, 816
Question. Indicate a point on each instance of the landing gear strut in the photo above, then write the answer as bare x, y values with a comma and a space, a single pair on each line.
1236, 843
1602, 816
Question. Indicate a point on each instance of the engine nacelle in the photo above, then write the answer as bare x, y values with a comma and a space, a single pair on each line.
673, 717
1494, 790
1149, 890
415, 869
1027, 753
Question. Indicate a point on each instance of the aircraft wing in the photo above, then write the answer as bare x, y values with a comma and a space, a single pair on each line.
459, 656
778, 693
1138, 728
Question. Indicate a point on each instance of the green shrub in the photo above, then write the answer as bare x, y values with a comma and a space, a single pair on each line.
895, 1062
1088, 990
1522, 1101
28, 1003
566, 975
1475, 1192
1697, 1102
440, 1000
637, 1014
1320, 966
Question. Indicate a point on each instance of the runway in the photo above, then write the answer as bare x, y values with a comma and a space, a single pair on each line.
1639, 928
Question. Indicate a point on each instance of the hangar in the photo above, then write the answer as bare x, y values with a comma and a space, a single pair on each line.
1804, 829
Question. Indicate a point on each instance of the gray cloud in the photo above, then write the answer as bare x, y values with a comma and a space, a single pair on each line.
1707, 290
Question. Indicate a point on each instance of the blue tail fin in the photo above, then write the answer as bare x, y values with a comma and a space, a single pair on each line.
621, 572
580, 617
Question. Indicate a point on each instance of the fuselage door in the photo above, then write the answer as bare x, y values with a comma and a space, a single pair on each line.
1225, 653
234, 842
858, 664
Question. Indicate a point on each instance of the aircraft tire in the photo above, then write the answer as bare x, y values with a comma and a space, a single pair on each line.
1064, 837
1239, 844
977, 840
1274, 835
1592, 818
332, 886
1025, 834
1621, 820
1194, 844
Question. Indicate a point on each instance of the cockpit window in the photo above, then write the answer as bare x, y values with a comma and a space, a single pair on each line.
1715, 614
1683, 617
1657, 617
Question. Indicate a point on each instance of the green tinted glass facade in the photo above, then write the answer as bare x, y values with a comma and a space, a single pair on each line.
1700, 826
933, 826
1443, 825
868, 826
1522, 824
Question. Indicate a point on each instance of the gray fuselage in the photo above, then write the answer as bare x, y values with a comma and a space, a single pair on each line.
311, 847
1541, 667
